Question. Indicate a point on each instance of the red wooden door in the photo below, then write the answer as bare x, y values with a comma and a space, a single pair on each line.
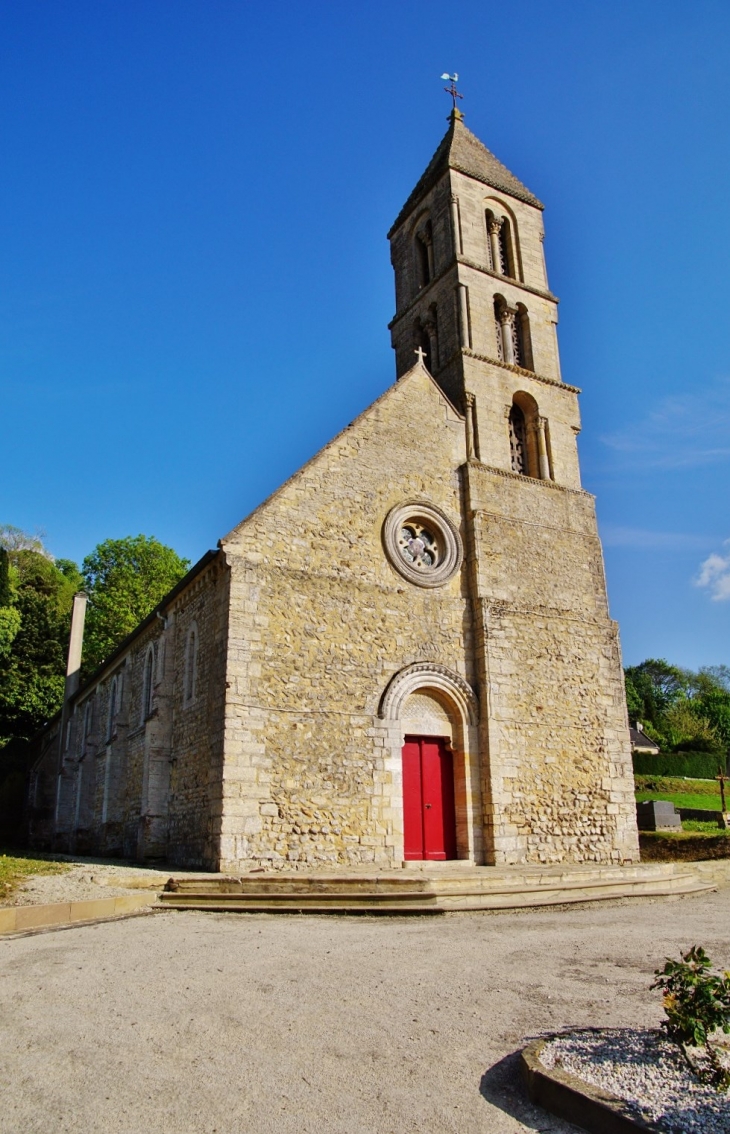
429, 818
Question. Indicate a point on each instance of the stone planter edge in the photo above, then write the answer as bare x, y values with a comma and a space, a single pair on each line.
566, 1096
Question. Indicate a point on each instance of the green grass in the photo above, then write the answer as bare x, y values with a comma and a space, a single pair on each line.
14, 868
701, 795
679, 784
697, 802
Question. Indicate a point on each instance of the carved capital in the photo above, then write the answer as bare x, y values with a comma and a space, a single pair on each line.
495, 224
469, 399
506, 315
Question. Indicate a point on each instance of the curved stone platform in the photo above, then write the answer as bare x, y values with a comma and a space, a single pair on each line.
433, 888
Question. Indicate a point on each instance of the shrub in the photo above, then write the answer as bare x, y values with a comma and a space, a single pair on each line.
695, 765
697, 1003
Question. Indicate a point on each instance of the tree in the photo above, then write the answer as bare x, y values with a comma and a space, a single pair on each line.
9, 616
15, 539
33, 667
125, 579
679, 708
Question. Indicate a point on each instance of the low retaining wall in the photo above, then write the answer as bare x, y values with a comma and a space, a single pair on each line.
18, 919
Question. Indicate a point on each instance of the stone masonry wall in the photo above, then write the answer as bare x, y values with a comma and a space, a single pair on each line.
320, 622
558, 784
148, 786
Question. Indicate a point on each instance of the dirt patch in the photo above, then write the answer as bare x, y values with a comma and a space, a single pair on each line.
687, 847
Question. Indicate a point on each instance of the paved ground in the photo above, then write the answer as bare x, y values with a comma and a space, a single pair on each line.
194, 1023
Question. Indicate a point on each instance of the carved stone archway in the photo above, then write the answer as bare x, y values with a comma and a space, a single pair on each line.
460, 701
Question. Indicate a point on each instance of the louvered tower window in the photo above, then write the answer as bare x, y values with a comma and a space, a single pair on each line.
518, 440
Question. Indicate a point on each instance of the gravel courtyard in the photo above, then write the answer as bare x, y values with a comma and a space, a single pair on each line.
193, 1023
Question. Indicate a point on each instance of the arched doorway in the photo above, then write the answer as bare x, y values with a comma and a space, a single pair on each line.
433, 741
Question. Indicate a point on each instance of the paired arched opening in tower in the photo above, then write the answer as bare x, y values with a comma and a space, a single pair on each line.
529, 438
423, 251
432, 714
512, 333
502, 239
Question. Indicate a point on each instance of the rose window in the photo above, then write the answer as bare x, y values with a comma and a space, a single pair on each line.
418, 546
422, 543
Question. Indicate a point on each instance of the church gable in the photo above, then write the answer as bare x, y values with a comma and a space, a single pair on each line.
321, 620
411, 440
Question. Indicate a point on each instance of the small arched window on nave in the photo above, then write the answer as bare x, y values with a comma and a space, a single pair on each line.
111, 722
190, 681
148, 684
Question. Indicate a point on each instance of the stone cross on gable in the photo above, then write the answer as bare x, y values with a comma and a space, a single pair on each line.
421, 355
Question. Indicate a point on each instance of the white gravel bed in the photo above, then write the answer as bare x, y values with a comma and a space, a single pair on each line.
648, 1072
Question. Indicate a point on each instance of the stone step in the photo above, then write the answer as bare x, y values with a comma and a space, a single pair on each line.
433, 895
455, 880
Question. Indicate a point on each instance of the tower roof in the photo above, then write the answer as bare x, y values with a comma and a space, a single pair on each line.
461, 150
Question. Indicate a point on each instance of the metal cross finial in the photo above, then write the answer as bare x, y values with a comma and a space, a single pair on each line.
451, 89
421, 355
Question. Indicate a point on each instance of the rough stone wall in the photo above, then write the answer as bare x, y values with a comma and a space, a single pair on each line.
320, 621
558, 783
196, 741
463, 258
150, 786
494, 387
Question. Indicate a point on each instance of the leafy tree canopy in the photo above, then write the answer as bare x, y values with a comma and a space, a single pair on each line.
32, 666
680, 709
125, 579
15, 539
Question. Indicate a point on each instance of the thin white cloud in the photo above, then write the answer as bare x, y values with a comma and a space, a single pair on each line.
683, 431
643, 539
714, 575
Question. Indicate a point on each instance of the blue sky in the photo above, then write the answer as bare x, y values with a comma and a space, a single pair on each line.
195, 282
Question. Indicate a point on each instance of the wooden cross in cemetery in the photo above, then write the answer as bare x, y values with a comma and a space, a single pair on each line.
723, 780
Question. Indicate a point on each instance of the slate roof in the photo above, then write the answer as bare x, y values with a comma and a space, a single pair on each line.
461, 150
640, 742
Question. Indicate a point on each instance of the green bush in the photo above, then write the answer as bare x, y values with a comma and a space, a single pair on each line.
696, 765
697, 1003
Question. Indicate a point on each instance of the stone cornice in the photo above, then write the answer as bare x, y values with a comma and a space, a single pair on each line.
461, 259
527, 479
514, 369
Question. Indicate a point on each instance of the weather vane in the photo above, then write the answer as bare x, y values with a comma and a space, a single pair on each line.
451, 89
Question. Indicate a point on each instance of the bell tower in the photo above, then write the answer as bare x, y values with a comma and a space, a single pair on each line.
472, 293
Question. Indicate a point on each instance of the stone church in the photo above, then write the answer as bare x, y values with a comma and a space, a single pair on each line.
405, 653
